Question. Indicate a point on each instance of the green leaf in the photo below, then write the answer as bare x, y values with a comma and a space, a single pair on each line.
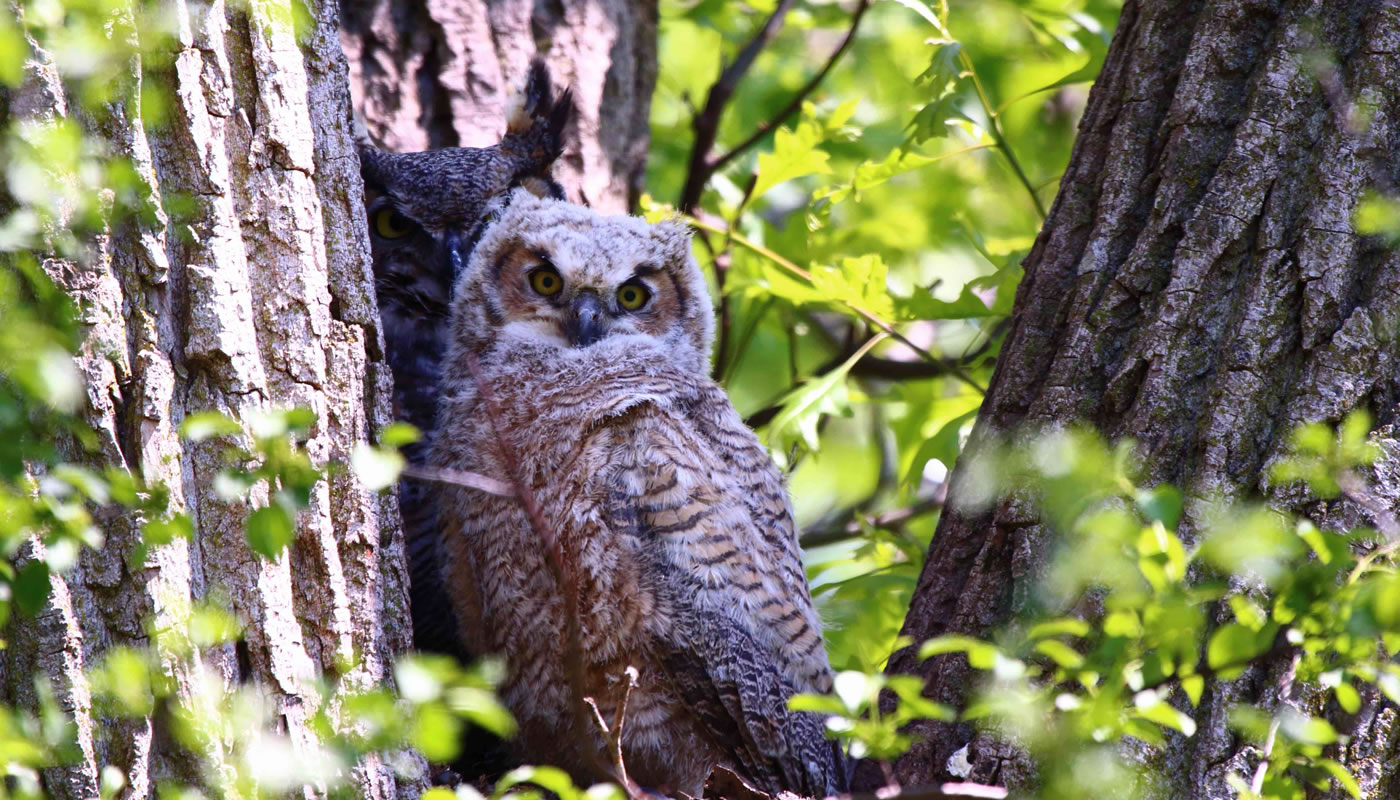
159, 532
1155, 710
921, 8
481, 708
802, 408
794, 155
1193, 685
1096, 46
31, 587
1061, 626
398, 434
1341, 774
932, 120
817, 703
1061, 653
1307, 730
858, 282
1235, 645
1347, 697
552, 778
1247, 613
980, 654
1161, 503
375, 467
203, 425
922, 305
435, 733
943, 65
944, 446
1378, 215
270, 529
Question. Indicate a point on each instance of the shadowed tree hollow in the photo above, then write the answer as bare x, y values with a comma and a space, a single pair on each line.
1198, 287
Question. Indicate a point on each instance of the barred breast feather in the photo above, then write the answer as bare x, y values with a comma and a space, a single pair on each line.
679, 531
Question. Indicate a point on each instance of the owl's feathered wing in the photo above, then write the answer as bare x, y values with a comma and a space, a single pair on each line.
739, 636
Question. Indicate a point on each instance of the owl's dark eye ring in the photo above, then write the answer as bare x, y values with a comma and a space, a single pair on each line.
632, 296
546, 281
388, 223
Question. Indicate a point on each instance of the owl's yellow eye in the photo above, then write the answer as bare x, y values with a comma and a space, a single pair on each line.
632, 296
390, 224
546, 281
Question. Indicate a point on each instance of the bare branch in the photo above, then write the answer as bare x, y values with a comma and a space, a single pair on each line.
850, 527
457, 477
613, 734
793, 105
706, 123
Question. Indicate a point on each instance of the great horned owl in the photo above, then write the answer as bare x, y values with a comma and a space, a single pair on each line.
593, 337
420, 207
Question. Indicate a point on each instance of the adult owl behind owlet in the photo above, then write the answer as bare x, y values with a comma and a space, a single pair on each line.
420, 206
593, 336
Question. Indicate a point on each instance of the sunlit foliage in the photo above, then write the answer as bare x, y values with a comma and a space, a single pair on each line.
903, 191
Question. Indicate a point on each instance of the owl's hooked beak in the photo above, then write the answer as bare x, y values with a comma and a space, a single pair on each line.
587, 321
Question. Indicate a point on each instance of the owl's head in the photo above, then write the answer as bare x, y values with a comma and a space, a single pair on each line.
420, 204
551, 274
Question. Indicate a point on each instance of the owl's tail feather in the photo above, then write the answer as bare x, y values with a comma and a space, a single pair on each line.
536, 121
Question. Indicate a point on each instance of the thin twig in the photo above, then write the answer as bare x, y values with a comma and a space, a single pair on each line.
706, 123
851, 527
721, 261
613, 734
861, 311
457, 477
993, 119
1285, 691
796, 103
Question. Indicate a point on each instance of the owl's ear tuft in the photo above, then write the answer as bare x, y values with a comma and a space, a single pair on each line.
535, 122
372, 165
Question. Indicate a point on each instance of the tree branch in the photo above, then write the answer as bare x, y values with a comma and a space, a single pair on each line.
849, 526
457, 477
706, 124
796, 103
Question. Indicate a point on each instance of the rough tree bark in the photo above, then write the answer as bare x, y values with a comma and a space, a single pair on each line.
438, 73
254, 292
1199, 287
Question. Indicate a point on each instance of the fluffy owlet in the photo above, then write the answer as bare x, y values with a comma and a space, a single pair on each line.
422, 206
592, 337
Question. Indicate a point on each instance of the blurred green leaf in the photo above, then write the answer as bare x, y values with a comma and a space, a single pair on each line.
270, 530
31, 587
795, 154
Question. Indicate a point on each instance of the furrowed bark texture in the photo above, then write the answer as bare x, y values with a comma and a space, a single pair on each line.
248, 289
1199, 287
440, 73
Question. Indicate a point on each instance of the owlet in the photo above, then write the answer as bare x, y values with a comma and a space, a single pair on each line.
668, 542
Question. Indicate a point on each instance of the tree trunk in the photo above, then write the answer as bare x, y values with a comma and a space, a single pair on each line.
1199, 287
253, 293
439, 73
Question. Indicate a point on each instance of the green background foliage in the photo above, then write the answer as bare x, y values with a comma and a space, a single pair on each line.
911, 184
